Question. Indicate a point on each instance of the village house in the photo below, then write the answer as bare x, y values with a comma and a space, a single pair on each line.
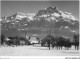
34, 39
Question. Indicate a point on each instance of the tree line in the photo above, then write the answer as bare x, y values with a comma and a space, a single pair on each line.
17, 41
49, 41
59, 42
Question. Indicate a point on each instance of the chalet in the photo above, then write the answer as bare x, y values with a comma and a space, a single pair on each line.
34, 39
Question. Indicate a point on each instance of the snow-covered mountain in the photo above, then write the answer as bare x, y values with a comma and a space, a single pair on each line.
50, 19
54, 13
20, 16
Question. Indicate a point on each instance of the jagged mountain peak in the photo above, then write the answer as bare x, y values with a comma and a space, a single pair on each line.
52, 9
56, 13
48, 10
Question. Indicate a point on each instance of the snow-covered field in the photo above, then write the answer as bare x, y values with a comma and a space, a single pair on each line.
36, 51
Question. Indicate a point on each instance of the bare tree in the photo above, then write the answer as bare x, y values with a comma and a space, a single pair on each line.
76, 41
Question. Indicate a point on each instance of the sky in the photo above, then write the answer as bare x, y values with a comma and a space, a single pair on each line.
11, 7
